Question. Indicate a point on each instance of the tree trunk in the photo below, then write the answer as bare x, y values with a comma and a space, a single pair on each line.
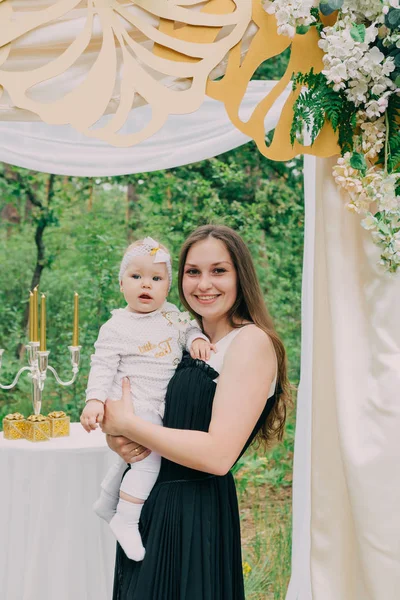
131, 200
90, 199
43, 222
28, 209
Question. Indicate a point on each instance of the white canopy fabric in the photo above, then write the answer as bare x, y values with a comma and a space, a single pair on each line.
184, 139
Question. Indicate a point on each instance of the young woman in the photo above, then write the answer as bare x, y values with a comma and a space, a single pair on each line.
190, 522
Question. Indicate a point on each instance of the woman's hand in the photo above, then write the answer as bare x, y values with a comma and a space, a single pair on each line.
118, 413
129, 451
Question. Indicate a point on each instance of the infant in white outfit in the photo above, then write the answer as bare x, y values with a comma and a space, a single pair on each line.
143, 342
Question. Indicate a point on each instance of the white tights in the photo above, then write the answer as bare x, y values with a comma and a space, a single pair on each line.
138, 482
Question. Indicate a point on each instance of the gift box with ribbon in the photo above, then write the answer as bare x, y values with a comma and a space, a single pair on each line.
37, 428
59, 423
14, 426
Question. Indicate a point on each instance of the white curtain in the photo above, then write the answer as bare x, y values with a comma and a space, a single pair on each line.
184, 139
346, 517
300, 581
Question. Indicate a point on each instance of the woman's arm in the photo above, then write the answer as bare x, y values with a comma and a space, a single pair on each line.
242, 391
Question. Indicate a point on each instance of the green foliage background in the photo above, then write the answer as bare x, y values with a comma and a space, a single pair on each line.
88, 231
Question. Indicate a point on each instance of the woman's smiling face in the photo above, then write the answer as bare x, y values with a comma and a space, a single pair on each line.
209, 279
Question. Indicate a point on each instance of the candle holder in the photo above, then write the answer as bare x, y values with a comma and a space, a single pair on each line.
38, 366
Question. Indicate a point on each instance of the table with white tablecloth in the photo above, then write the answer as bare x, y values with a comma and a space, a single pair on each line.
53, 546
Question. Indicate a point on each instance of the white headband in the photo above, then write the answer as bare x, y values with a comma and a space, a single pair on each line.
148, 246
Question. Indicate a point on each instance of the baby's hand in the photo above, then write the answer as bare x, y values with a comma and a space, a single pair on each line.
202, 349
92, 414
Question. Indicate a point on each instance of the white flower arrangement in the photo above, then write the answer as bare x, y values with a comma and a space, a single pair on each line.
358, 91
291, 14
372, 136
375, 191
352, 63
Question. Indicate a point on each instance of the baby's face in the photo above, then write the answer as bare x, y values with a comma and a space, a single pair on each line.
145, 284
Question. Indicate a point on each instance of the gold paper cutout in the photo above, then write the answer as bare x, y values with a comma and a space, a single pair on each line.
168, 52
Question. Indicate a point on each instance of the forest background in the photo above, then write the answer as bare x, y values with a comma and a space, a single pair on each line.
68, 234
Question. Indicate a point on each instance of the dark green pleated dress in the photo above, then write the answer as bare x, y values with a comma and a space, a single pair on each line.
190, 522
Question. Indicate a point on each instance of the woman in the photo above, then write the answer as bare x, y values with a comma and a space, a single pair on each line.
190, 522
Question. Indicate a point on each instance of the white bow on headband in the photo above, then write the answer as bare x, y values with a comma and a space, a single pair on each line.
148, 246
153, 248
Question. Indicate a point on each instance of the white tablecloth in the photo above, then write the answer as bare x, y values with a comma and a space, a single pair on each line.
52, 545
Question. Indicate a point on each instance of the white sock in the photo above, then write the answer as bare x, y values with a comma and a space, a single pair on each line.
125, 526
106, 505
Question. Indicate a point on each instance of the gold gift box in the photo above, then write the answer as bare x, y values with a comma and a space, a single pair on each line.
59, 423
37, 428
14, 426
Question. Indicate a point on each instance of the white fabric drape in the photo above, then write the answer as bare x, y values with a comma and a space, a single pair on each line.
300, 581
354, 459
184, 139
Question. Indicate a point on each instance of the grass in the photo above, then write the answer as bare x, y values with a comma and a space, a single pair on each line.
264, 486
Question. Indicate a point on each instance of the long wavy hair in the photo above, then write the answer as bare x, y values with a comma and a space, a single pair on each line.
249, 306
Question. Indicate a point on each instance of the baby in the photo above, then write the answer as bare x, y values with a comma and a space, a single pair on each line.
143, 342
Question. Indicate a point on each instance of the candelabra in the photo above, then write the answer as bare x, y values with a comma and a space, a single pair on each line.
38, 361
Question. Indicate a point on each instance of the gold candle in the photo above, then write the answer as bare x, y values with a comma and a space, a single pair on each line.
35, 328
30, 317
42, 346
75, 334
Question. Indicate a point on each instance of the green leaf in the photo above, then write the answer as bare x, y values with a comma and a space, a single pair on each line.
318, 103
357, 161
302, 29
397, 80
327, 7
357, 32
392, 19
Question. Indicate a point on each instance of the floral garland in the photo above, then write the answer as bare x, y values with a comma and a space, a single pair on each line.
358, 91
